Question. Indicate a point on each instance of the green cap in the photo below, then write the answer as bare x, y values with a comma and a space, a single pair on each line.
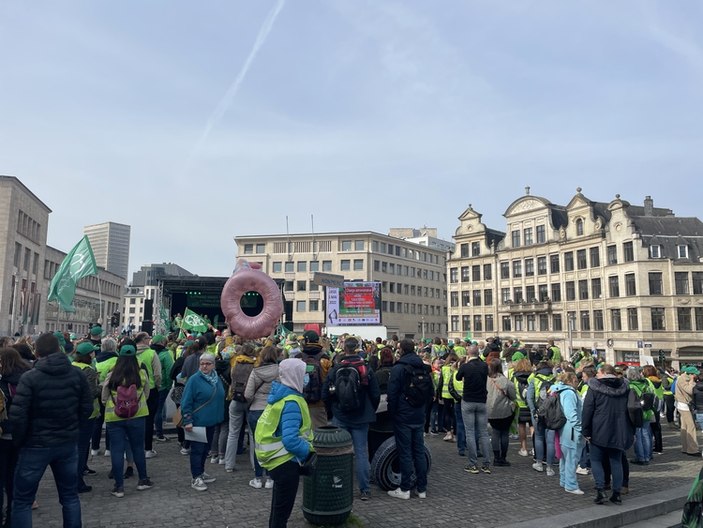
85, 348
128, 350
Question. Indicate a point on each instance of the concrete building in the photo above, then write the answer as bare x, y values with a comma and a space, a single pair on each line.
110, 243
413, 277
624, 279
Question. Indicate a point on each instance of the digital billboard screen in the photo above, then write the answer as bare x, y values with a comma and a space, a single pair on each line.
358, 303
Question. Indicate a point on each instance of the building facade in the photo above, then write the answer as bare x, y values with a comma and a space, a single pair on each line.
624, 279
413, 277
110, 243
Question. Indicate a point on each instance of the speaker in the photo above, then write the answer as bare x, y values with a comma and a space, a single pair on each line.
148, 326
148, 309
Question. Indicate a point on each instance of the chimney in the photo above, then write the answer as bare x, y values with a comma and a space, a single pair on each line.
648, 206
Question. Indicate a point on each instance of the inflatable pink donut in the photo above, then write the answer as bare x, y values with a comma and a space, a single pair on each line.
249, 277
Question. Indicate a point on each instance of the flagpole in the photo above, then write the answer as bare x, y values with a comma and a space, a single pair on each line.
100, 301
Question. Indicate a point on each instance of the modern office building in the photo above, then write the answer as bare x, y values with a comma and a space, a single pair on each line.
621, 278
110, 243
412, 276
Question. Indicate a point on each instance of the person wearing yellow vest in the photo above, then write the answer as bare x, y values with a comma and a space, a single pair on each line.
83, 361
456, 390
116, 397
150, 359
283, 438
446, 410
104, 363
553, 352
520, 372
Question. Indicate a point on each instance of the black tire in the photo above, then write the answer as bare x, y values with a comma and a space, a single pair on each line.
385, 467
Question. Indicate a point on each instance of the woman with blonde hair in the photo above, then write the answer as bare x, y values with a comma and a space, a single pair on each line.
570, 437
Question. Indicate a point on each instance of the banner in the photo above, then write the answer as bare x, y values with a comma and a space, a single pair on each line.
193, 321
79, 263
358, 303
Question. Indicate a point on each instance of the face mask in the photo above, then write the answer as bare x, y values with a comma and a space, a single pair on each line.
306, 380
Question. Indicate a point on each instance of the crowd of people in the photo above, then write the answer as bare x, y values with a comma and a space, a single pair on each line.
575, 416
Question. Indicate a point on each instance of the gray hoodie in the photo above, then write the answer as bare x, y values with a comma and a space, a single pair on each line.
259, 385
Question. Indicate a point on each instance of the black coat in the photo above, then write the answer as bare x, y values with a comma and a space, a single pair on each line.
372, 395
399, 409
52, 401
605, 420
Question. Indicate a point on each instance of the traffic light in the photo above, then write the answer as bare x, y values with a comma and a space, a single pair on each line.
662, 356
115, 319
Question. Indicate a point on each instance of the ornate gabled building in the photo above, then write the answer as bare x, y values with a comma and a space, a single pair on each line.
624, 279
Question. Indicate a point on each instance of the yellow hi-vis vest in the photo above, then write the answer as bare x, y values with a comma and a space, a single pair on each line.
270, 450
96, 403
446, 375
146, 357
458, 385
104, 368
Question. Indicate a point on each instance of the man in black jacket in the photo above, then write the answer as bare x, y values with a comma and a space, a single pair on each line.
52, 401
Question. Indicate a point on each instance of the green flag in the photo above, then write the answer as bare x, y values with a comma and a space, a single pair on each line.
79, 263
192, 321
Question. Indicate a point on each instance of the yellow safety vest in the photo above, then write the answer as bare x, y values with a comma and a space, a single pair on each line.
446, 376
146, 357
270, 450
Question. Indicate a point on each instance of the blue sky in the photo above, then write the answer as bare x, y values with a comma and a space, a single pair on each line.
197, 121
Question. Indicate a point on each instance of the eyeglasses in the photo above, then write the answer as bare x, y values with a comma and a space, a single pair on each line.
206, 363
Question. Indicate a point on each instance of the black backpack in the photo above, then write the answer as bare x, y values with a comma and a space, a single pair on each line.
240, 375
634, 409
313, 390
418, 389
348, 381
551, 412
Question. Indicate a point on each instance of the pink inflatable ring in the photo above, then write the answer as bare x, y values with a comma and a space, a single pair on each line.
250, 278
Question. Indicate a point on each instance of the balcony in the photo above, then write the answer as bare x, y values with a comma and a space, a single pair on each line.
533, 306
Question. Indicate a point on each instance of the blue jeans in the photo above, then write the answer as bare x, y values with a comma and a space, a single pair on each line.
252, 420
159, 415
643, 443
31, 465
410, 446
460, 431
360, 440
199, 451
85, 433
567, 467
122, 433
476, 426
544, 436
614, 456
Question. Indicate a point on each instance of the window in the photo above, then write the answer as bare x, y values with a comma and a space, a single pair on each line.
345, 265
628, 252
488, 297
260, 248
556, 292
598, 320
516, 238
543, 322
570, 291
518, 323
454, 323
543, 292
517, 294
248, 249
579, 227
315, 265
697, 282
541, 265
596, 291
290, 267
358, 245
658, 321
326, 265
505, 270
615, 320
384, 267
554, 263
630, 288
454, 299
569, 261
612, 255
556, 323
681, 282
302, 285
302, 266
487, 272
475, 273
358, 264
478, 326
504, 295
277, 267
517, 268
453, 275
346, 245
314, 306
531, 322
288, 286
489, 323
583, 290
581, 261
585, 321
464, 250
475, 249
466, 298
698, 314
299, 306
683, 317
527, 235
655, 251
614, 286
632, 319
465, 277
530, 294
529, 267
541, 239
465, 323
506, 323
595, 257
655, 283
682, 251
477, 297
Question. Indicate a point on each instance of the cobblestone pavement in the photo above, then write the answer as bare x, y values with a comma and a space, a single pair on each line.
454, 497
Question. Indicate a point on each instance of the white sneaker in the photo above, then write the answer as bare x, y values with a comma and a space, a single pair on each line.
550, 471
207, 479
94, 452
447, 437
150, 454
256, 483
522, 452
107, 453
269, 484
399, 494
229, 470
537, 466
583, 471
574, 491
185, 451
221, 461
198, 484
422, 494
214, 460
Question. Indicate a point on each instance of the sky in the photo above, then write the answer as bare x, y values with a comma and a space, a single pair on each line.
195, 122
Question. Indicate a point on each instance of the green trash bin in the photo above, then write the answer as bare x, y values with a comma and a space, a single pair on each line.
329, 492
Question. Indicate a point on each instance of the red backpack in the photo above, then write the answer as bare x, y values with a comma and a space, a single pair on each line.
126, 401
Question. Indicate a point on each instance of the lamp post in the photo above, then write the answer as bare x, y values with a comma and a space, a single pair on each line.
423, 328
572, 324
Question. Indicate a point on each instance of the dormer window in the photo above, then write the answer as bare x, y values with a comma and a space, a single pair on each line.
579, 227
682, 251
655, 251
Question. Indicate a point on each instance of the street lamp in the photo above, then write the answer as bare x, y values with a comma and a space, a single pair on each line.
572, 327
423, 328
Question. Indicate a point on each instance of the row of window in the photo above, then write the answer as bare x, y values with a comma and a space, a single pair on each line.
527, 238
27, 262
471, 273
27, 226
407, 271
400, 251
